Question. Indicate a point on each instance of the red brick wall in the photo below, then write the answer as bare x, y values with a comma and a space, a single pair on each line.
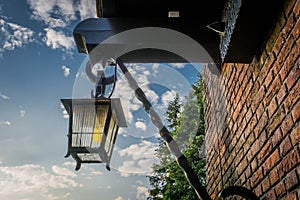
252, 117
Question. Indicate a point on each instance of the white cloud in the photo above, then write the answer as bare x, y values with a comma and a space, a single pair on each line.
34, 182
66, 70
57, 13
63, 171
87, 9
139, 158
22, 111
65, 113
141, 125
97, 173
119, 198
57, 16
14, 35
57, 39
8, 123
167, 97
178, 65
142, 192
3, 96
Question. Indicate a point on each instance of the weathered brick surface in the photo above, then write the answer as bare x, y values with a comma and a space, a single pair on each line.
255, 140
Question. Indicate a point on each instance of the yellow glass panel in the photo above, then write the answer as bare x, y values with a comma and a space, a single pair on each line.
100, 120
97, 136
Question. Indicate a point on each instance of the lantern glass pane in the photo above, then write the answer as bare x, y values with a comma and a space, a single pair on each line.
99, 124
88, 124
83, 121
110, 135
89, 157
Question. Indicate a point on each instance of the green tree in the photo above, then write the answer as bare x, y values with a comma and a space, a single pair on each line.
167, 180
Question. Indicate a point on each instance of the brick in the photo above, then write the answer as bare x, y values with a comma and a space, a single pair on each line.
258, 191
272, 107
253, 165
264, 152
288, 162
272, 90
274, 177
290, 61
252, 123
290, 196
265, 184
271, 161
269, 79
263, 58
256, 71
288, 7
287, 124
291, 181
285, 51
296, 112
242, 166
292, 98
281, 94
248, 115
280, 190
256, 177
293, 77
295, 136
276, 120
262, 122
288, 26
278, 44
248, 88
276, 68
296, 9
285, 146
270, 195
276, 137
265, 69
296, 29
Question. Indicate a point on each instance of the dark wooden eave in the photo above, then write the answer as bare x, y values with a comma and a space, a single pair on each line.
254, 22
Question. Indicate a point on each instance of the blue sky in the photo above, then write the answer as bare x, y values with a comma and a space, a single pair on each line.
40, 65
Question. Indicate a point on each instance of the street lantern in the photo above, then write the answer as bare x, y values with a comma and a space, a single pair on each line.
93, 128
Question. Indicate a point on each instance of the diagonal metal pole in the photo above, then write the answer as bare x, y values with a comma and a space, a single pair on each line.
165, 134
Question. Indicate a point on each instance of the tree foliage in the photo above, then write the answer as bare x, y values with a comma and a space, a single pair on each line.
187, 127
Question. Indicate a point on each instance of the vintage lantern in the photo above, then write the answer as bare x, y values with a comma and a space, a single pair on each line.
93, 128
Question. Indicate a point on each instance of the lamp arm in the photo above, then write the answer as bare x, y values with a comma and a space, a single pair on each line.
165, 134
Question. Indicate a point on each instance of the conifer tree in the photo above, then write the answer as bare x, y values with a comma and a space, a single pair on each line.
167, 180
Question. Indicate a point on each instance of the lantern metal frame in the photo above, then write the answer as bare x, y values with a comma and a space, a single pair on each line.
87, 145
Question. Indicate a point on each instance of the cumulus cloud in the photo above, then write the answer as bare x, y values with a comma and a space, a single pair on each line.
63, 171
14, 35
7, 123
139, 158
22, 111
142, 192
167, 97
66, 70
64, 112
86, 9
53, 13
58, 39
60, 13
57, 16
3, 96
178, 65
34, 182
141, 125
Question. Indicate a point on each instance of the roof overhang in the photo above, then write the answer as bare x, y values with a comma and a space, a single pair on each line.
254, 19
